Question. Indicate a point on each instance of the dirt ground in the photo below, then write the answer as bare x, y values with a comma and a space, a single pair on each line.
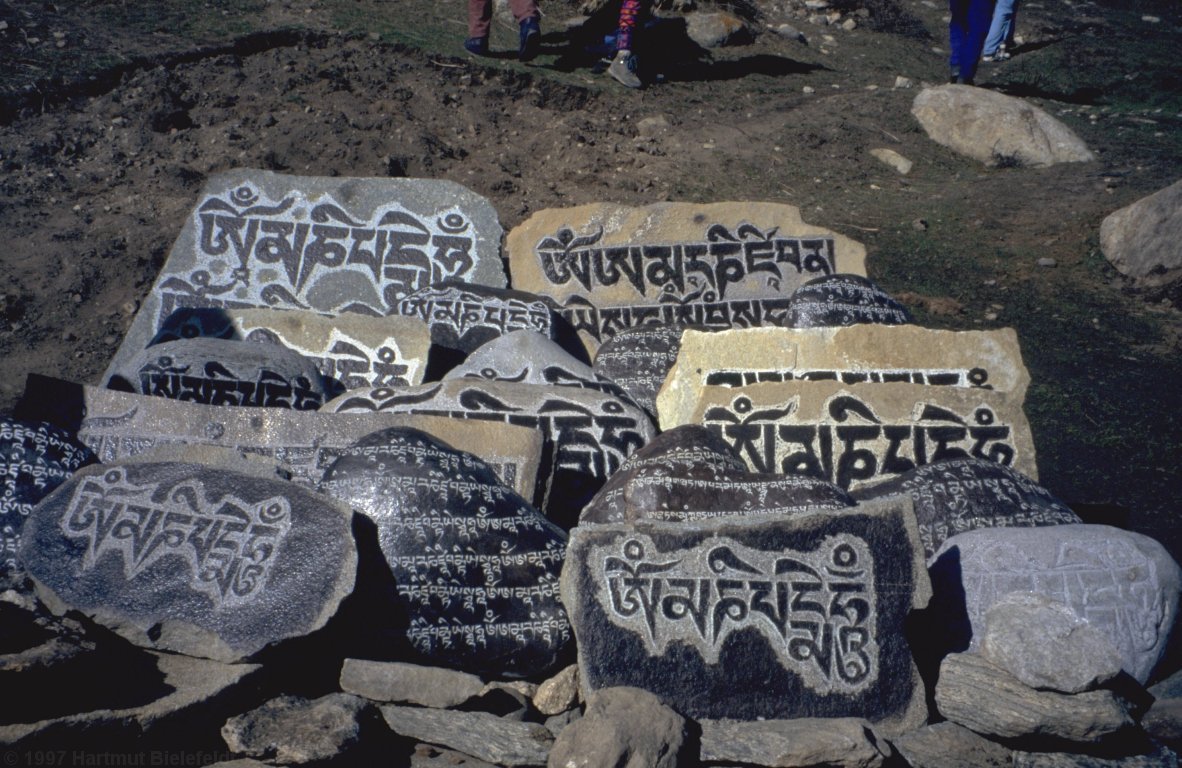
113, 113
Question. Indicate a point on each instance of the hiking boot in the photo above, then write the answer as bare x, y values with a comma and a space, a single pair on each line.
530, 41
623, 69
477, 46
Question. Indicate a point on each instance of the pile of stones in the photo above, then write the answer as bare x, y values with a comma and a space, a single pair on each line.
692, 491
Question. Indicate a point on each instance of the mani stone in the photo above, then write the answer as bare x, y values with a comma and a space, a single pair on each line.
185, 558
327, 245
722, 265
838, 742
1122, 583
119, 425
494, 739
860, 354
996, 129
623, 726
855, 435
224, 372
475, 565
34, 459
639, 359
776, 617
351, 350
1045, 645
842, 300
587, 434
958, 495
1141, 240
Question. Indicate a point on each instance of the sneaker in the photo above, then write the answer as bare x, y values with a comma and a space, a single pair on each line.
999, 55
623, 69
477, 46
530, 40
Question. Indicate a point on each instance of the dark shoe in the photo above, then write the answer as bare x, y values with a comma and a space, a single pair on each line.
530, 41
477, 46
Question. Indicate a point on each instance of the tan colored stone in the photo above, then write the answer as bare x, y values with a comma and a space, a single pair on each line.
559, 693
893, 159
856, 354
855, 435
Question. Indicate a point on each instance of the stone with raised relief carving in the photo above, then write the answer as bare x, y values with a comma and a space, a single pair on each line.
841, 300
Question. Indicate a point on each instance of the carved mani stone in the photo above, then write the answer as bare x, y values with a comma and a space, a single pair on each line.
760, 618
476, 566
328, 245
721, 265
959, 495
843, 300
1121, 582
639, 359
185, 558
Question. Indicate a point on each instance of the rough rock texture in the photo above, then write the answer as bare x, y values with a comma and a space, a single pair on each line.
624, 727
1161, 757
398, 682
293, 730
559, 693
488, 737
948, 745
996, 129
839, 742
714, 30
1141, 240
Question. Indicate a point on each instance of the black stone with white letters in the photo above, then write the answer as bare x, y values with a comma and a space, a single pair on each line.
639, 359
476, 566
841, 300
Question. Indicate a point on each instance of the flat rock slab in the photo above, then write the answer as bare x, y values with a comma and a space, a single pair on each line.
224, 372
1121, 582
401, 683
488, 737
1161, 757
996, 129
329, 245
611, 267
1141, 240
948, 745
350, 350
639, 359
841, 300
958, 495
120, 425
35, 458
770, 617
840, 742
476, 566
862, 354
186, 558
291, 730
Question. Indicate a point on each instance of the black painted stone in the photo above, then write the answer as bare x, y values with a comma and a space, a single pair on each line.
476, 566
961, 495
639, 359
216, 371
773, 617
840, 300
188, 558
34, 459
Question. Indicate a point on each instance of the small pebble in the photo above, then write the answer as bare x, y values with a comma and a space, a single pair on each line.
1046, 261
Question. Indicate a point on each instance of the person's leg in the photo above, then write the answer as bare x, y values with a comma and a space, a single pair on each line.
524, 9
1000, 28
980, 13
479, 18
629, 19
958, 11
530, 39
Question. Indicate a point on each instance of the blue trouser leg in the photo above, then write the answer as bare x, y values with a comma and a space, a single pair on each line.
1002, 28
966, 34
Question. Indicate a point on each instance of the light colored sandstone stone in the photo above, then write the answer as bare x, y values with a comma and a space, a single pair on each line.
559, 693
893, 159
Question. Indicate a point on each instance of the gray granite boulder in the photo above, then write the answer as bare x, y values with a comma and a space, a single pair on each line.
838, 742
623, 727
1141, 239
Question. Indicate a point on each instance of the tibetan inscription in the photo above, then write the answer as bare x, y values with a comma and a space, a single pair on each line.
465, 317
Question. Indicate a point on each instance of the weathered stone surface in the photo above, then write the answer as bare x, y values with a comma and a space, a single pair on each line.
958, 495
559, 693
35, 458
294, 731
996, 129
1045, 645
622, 726
723, 265
431, 756
893, 159
857, 434
715, 30
488, 737
1163, 721
700, 614
839, 742
329, 245
639, 359
861, 354
948, 745
1161, 757
186, 558
843, 300
402, 683
1121, 582
587, 434
350, 350
224, 372
1141, 240
986, 699
119, 425
475, 565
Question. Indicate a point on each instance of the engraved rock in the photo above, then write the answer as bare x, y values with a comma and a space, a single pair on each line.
401, 683
488, 737
723, 265
772, 617
1047, 646
840, 742
639, 359
958, 495
293, 731
1123, 583
1141, 240
187, 558
948, 745
328, 245
224, 372
623, 726
842, 300
476, 566
35, 458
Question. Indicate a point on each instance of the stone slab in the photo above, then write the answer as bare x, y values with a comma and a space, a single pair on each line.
485, 736
860, 354
770, 617
330, 245
838, 742
401, 683
948, 745
841, 300
611, 267
118, 425
191, 559
290, 730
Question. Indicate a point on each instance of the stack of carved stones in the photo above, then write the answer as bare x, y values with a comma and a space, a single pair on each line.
343, 496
